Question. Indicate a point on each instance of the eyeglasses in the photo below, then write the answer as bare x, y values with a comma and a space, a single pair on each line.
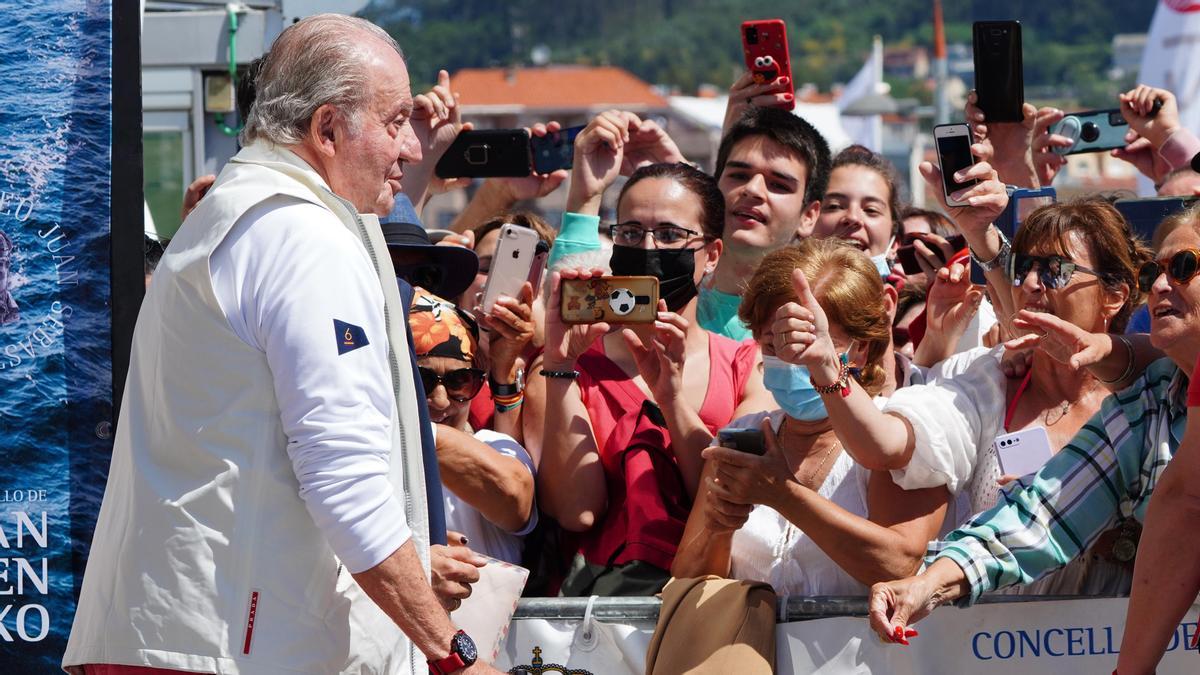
1054, 271
461, 385
665, 236
1180, 269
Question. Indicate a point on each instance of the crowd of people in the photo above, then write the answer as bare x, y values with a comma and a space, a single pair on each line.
422, 435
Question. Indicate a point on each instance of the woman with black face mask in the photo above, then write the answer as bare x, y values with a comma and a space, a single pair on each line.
628, 412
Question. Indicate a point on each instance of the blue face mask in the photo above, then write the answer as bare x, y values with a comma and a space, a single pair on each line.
793, 390
882, 264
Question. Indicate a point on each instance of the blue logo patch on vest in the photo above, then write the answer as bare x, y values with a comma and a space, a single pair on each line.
349, 336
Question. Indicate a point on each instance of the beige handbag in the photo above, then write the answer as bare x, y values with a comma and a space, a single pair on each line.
714, 625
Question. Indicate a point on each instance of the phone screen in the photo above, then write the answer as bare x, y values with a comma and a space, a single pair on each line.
954, 153
554, 151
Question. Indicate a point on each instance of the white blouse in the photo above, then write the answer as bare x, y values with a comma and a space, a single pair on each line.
770, 548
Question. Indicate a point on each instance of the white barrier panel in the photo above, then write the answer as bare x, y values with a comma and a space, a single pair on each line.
1052, 637
1060, 637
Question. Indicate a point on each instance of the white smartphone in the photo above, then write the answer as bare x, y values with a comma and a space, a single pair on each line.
511, 264
1023, 452
954, 154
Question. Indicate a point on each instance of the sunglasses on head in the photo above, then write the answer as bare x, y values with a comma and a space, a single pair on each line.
461, 385
1054, 271
1180, 269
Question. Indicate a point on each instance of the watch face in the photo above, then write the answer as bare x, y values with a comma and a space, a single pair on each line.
464, 646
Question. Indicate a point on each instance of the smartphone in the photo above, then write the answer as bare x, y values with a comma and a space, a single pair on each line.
511, 264
1092, 131
1144, 215
743, 440
541, 253
1023, 452
765, 48
611, 299
954, 154
907, 255
999, 80
555, 150
487, 153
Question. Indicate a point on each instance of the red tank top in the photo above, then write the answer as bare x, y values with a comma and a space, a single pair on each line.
647, 503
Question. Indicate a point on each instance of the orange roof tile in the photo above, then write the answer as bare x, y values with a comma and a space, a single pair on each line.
554, 87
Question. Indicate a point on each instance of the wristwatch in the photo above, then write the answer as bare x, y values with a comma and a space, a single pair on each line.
1001, 259
462, 654
508, 389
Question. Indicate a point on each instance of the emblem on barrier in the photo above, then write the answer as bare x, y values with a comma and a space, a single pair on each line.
538, 667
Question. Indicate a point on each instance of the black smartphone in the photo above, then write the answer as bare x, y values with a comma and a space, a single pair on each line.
554, 151
743, 440
1144, 215
487, 153
907, 255
999, 79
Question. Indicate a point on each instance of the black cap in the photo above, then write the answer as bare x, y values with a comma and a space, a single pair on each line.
456, 266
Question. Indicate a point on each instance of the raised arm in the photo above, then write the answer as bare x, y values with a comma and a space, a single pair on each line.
886, 545
571, 484
500, 487
1166, 577
800, 335
1115, 360
708, 537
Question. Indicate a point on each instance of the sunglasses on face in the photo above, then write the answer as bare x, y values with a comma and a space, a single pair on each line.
1054, 271
1180, 268
461, 385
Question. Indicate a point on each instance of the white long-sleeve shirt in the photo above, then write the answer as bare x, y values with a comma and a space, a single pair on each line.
285, 273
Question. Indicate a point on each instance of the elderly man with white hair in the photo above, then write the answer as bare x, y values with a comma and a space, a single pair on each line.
265, 509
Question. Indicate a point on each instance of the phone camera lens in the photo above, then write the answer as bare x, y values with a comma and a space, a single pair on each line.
752, 35
1090, 132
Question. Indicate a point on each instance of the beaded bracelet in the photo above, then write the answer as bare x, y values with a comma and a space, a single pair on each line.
841, 385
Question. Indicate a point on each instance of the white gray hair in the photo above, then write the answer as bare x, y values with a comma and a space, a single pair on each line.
315, 61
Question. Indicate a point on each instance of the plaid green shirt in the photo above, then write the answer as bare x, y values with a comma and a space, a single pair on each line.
1106, 473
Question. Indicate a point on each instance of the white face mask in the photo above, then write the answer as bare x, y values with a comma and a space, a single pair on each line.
882, 264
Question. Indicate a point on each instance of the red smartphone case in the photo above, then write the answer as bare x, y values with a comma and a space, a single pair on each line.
765, 48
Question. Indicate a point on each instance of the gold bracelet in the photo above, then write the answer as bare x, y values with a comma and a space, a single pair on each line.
1128, 367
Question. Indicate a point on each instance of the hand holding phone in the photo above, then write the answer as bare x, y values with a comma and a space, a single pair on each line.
953, 143
750, 441
487, 153
1093, 131
765, 49
512, 264
555, 150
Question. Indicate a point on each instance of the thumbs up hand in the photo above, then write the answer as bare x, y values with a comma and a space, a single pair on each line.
800, 334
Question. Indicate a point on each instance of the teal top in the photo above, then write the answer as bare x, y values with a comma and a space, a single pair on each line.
717, 313
579, 234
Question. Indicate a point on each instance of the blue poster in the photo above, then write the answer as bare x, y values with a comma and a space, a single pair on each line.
55, 365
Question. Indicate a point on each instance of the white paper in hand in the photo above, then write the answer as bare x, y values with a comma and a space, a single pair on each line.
486, 614
1023, 452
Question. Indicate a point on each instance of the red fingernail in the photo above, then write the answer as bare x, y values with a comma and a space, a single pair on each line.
787, 97
911, 633
785, 80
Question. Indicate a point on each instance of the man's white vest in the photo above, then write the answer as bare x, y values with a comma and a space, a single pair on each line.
205, 558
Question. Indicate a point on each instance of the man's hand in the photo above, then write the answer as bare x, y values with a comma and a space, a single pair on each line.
453, 569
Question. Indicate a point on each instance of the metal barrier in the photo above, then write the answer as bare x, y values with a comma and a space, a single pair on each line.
627, 609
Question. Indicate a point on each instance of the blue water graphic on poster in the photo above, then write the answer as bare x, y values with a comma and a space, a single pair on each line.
55, 366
